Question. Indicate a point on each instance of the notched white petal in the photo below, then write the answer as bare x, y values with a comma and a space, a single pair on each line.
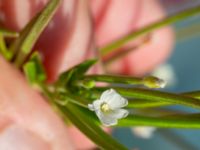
95, 105
114, 99
106, 120
108, 94
119, 113
117, 101
109, 122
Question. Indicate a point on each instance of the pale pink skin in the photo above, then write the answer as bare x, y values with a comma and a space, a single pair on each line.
26, 119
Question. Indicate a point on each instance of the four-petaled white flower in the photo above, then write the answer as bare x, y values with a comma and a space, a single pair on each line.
108, 107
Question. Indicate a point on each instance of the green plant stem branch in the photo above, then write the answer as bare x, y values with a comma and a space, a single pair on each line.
120, 54
162, 122
140, 103
162, 112
194, 116
135, 34
114, 79
195, 94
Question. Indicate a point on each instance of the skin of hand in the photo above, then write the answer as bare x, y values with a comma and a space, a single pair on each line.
78, 27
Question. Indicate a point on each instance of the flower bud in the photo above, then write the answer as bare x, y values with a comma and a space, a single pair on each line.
154, 82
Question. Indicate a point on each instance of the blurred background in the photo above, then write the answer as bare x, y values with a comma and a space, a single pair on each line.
182, 71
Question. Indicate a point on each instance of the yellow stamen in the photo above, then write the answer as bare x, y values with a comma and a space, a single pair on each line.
105, 107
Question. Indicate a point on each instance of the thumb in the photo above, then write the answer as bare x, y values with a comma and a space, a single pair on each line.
26, 119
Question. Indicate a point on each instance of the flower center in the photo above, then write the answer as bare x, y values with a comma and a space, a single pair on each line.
105, 107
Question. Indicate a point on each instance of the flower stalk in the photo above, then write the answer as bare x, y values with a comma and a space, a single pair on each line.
135, 34
149, 81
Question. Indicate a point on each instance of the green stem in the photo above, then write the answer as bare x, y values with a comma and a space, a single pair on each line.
120, 54
192, 116
140, 103
137, 120
114, 79
135, 34
195, 94
160, 96
149, 81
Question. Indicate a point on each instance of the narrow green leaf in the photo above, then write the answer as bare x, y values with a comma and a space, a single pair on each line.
89, 128
82, 68
75, 72
140, 103
115, 79
148, 81
135, 34
34, 70
162, 122
195, 94
30, 72
160, 96
190, 116
23, 45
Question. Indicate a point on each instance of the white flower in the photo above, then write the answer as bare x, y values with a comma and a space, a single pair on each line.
108, 107
143, 132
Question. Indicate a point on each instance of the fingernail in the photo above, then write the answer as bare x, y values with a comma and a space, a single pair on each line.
15, 137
